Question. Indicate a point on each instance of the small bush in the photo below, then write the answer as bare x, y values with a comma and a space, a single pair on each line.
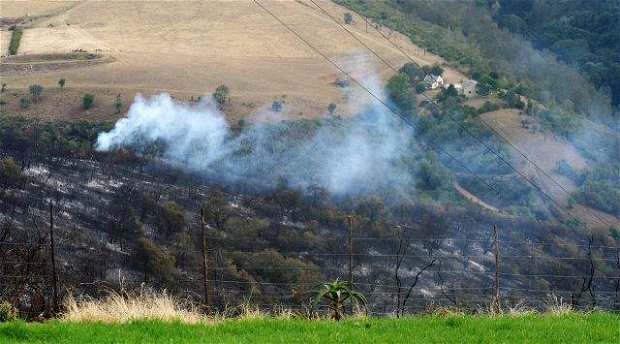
348, 18
88, 100
277, 105
488, 107
220, 94
118, 104
16, 36
342, 81
419, 88
10, 173
7, 312
35, 90
24, 102
331, 108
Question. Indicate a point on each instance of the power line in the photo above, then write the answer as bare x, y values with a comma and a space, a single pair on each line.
468, 131
402, 118
405, 120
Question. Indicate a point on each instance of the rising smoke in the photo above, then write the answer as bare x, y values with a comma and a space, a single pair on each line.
365, 153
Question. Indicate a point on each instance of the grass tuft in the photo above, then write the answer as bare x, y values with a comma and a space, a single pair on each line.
557, 306
116, 308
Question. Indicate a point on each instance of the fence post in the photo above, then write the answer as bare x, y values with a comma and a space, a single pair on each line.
205, 273
53, 256
350, 247
496, 305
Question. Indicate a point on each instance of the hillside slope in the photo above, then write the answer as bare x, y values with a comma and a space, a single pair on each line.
188, 50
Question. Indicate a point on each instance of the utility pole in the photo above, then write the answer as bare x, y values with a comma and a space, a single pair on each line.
350, 245
366, 19
496, 305
54, 276
205, 270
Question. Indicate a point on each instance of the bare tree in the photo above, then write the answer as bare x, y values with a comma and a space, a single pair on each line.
447, 289
587, 282
22, 268
404, 293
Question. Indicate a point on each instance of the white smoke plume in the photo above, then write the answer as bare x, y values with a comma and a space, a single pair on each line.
346, 156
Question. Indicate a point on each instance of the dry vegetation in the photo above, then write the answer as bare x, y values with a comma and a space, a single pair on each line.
118, 308
188, 50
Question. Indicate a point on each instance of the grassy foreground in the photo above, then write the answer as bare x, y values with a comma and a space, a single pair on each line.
571, 328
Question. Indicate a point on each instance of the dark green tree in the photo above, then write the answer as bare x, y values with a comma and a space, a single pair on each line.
88, 100
172, 218
156, 264
331, 108
35, 91
118, 104
277, 105
348, 18
24, 102
221, 93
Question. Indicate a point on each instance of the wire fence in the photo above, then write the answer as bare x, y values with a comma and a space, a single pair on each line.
465, 281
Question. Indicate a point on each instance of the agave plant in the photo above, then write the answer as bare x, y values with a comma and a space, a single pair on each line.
336, 293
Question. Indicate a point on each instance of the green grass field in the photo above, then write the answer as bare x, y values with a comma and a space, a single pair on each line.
572, 328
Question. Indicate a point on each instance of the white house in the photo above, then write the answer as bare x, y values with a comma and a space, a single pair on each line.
432, 81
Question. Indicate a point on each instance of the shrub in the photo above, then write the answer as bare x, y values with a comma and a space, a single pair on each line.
331, 108
16, 36
88, 100
173, 218
413, 71
157, 263
336, 293
513, 100
348, 18
220, 94
342, 81
398, 91
277, 105
419, 88
10, 173
7, 312
488, 107
118, 104
562, 167
436, 70
35, 90
24, 102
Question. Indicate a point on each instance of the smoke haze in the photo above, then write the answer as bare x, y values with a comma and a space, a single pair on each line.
346, 156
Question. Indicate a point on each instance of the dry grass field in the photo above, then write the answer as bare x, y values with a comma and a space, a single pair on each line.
545, 150
187, 48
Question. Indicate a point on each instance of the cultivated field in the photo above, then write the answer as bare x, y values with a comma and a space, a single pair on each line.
189, 49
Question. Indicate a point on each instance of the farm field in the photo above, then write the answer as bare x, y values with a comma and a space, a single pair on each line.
572, 328
188, 50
